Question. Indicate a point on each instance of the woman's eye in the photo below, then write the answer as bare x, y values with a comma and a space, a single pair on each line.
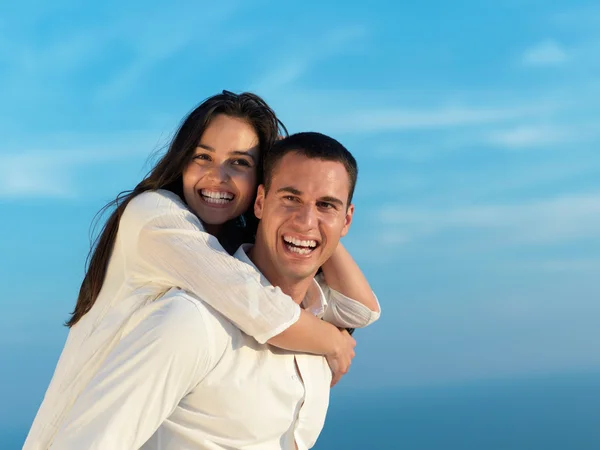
241, 162
202, 157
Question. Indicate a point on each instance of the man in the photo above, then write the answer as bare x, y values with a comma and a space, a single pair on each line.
215, 387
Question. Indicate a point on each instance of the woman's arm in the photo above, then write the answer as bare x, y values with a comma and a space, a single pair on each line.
343, 275
165, 244
321, 338
350, 301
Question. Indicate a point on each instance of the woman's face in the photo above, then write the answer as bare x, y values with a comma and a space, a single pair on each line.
220, 182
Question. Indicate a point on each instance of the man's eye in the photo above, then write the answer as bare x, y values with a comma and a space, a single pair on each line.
326, 205
290, 198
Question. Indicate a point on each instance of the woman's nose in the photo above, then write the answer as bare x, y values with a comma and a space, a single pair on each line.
218, 172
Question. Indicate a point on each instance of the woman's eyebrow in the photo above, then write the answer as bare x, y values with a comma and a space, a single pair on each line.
234, 152
244, 153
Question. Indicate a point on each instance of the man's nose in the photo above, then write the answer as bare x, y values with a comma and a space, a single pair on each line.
306, 217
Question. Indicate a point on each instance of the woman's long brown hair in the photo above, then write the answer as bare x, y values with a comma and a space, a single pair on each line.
167, 174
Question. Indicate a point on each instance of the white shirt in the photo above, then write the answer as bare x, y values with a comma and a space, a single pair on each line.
183, 368
160, 244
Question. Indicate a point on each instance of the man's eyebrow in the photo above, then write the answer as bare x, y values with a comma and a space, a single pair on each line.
330, 199
289, 189
327, 198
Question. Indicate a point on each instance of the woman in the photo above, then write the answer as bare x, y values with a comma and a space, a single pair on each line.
164, 234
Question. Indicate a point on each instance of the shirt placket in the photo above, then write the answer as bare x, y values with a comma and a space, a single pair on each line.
303, 376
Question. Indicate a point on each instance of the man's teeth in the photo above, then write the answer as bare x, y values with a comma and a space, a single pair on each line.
309, 243
219, 198
299, 250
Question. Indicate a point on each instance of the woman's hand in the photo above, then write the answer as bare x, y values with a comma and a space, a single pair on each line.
340, 358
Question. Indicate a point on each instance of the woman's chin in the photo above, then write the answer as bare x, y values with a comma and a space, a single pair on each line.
214, 219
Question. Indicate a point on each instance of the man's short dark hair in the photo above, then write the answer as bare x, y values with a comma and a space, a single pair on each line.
311, 145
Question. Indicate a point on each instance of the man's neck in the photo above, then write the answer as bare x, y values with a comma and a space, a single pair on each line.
294, 288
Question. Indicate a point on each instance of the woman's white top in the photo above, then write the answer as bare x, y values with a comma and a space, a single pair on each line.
160, 244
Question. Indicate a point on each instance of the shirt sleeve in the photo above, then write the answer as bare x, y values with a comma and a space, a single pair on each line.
169, 350
168, 246
343, 311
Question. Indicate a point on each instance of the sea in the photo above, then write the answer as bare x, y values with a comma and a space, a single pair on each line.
537, 413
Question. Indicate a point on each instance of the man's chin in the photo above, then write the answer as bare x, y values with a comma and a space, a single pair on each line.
298, 274
298, 267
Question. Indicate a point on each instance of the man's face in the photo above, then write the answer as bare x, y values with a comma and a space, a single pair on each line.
304, 214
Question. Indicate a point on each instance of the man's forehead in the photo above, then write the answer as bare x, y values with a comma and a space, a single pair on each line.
314, 176
310, 169
295, 162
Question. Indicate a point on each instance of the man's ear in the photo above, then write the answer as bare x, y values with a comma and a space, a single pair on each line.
260, 202
348, 220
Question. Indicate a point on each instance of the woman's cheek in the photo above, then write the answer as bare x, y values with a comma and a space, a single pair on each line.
250, 184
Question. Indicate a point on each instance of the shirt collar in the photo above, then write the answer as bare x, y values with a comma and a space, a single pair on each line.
314, 301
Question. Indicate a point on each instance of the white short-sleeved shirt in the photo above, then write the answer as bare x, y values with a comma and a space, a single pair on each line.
161, 244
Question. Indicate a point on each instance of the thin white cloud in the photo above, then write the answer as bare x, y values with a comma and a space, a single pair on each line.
36, 174
58, 55
391, 238
471, 187
556, 265
283, 75
523, 136
290, 69
51, 172
22, 178
564, 130
141, 40
546, 53
582, 17
382, 120
542, 222
355, 119
152, 42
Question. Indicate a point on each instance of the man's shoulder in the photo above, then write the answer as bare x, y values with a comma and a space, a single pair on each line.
183, 318
187, 308
182, 306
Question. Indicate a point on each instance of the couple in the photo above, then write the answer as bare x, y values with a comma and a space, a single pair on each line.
176, 344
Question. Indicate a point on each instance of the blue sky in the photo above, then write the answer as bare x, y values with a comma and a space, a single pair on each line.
476, 128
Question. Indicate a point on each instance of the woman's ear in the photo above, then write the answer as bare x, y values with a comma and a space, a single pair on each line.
260, 201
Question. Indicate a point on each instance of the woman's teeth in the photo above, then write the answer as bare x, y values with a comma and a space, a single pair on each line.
216, 197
